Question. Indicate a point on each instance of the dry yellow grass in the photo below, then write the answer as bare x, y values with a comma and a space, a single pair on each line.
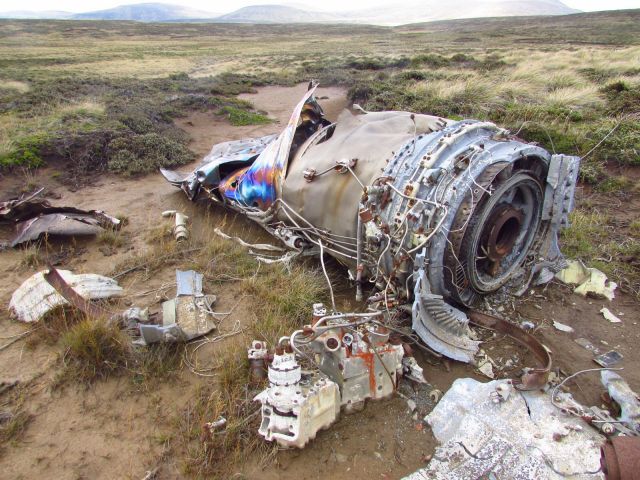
86, 107
14, 85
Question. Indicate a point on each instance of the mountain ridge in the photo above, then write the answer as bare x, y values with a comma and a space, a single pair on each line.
412, 11
276, 13
145, 12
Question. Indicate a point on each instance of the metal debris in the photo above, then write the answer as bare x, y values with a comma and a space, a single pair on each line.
36, 296
485, 366
151, 474
609, 359
589, 280
17, 209
258, 356
586, 344
382, 191
188, 283
435, 395
620, 458
519, 437
57, 281
357, 359
532, 378
411, 369
594, 416
63, 224
562, 327
293, 409
180, 230
501, 393
257, 246
211, 428
606, 313
35, 217
185, 317
626, 398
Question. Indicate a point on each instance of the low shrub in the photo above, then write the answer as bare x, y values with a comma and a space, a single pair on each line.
145, 153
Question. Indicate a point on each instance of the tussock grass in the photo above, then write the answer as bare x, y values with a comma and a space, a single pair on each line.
14, 415
13, 426
93, 350
31, 257
111, 238
53, 326
88, 107
97, 349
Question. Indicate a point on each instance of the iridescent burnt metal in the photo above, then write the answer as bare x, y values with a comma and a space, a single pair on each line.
259, 185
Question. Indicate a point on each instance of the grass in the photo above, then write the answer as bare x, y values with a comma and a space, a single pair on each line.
31, 257
278, 299
14, 416
607, 244
282, 298
111, 238
216, 455
94, 350
12, 427
238, 117
156, 363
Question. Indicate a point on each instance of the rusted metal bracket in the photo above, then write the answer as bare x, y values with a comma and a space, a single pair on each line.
53, 277
533, 378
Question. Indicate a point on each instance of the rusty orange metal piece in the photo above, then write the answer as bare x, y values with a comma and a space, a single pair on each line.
620, 458
533, 378
70, 295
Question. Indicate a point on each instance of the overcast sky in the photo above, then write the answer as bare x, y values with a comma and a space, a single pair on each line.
224, 6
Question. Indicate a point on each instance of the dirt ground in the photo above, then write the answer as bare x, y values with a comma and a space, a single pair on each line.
116, 430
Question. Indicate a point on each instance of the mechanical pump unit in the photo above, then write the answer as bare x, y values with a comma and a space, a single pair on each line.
356, 359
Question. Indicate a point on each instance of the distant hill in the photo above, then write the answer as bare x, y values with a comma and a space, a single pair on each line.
411, 11
278, 14
401, 13
433, 10
145, 12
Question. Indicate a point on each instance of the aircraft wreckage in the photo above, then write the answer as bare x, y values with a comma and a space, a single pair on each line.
434, 213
